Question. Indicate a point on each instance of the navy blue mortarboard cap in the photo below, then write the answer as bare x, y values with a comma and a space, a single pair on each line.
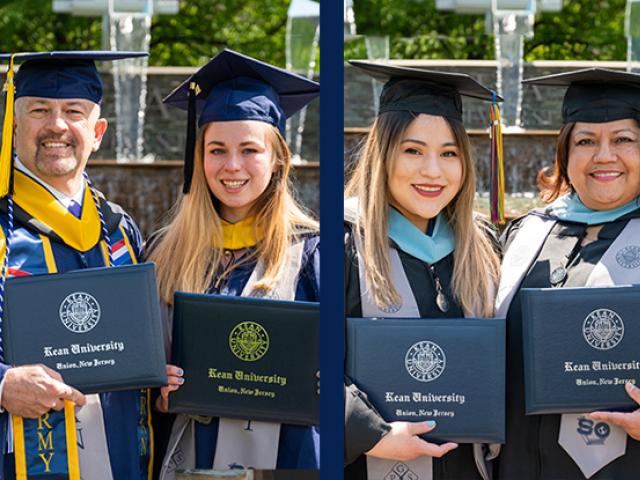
63, 74
232, 86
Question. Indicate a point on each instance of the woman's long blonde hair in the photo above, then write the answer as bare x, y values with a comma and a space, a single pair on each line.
185, 255
476, 269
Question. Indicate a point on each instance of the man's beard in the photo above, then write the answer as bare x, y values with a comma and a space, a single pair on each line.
52, 166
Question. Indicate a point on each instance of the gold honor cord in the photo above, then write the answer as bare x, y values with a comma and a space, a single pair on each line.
6, 153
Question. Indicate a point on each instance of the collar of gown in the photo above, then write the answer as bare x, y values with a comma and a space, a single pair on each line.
570, 208
412, 240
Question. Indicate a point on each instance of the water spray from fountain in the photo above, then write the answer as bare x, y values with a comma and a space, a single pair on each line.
632, 31
130, 31
302, 38
349, 21
510, 27
377, 49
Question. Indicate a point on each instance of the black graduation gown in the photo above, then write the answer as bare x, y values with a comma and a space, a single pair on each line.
532, 450
363, 425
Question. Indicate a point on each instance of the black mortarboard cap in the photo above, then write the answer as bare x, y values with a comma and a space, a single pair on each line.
595, 95
424, 91
439, 93
232, 86
63, 74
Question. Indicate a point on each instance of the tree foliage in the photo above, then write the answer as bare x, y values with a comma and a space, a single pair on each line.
583, 30
199, 31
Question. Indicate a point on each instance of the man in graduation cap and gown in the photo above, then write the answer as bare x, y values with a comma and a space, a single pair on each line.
53, 220
587, 237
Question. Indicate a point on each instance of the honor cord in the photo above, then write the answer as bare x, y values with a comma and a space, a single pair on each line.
496, 188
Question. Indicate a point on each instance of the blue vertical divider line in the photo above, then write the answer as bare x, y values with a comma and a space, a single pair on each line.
331, 230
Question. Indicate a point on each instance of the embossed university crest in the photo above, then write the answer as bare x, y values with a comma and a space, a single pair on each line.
603, 329
629, 256
425, 361
249, 341
80, 312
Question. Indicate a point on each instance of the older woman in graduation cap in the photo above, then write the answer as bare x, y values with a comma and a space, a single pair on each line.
238, 231
414, 249
590, 227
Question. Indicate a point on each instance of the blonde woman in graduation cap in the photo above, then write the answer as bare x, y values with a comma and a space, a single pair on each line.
414, 249
587, 236
238, 231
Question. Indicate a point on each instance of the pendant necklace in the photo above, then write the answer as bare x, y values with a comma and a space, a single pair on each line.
441, 298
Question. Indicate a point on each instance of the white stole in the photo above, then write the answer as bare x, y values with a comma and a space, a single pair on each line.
93, 453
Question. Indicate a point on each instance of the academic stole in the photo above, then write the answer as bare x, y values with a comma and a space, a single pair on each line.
47, 447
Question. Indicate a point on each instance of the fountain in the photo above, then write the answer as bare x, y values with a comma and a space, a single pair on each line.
126, 26
349, 20
510, 27
302, 38
377, 49
130, 31
510, 21
632, 31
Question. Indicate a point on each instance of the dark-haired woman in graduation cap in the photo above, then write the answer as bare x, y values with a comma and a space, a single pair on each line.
238, 231
414, 249
586, 237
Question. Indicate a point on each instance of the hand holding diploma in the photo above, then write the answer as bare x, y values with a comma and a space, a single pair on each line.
174, 380
630, 421
32, 390
403, 443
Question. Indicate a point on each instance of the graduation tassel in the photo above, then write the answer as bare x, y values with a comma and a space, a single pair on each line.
497, 165
191, 137
6, 153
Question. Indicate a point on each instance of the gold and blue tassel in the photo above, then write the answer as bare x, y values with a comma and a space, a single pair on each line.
6, 153
496, 188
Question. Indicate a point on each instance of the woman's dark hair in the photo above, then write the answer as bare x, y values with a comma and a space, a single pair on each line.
553, 184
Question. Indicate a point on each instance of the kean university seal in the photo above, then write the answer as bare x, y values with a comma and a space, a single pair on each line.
603, 329
425, 361
80, 312
249, 341
629, 256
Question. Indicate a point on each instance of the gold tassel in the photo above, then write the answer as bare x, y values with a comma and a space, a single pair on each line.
6, 153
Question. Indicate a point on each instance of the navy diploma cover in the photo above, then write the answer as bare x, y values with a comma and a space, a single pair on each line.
448, 370
580, 348
246, 358
99, 327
